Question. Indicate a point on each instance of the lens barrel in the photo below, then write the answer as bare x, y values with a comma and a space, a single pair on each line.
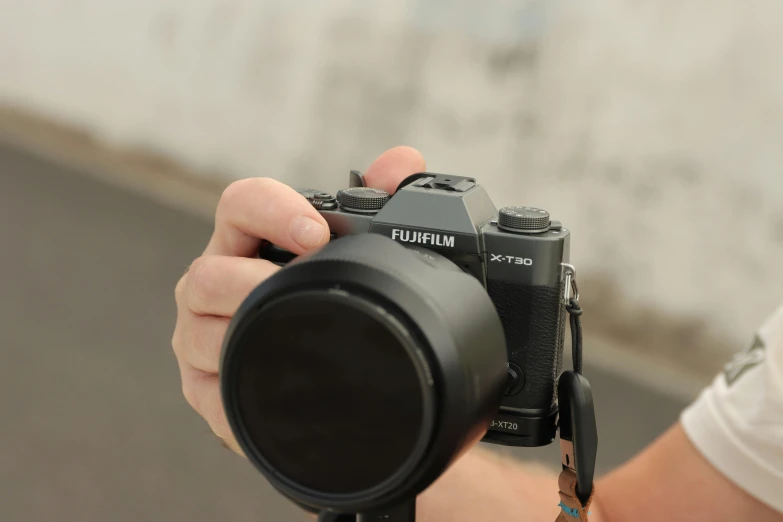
355, 376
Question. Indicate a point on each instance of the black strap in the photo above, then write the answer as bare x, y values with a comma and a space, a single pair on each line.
578, 432
575, 312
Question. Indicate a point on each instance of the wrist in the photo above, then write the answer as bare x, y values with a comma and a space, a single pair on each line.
484, 485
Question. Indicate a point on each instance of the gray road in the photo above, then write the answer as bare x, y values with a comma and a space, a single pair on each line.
94, 427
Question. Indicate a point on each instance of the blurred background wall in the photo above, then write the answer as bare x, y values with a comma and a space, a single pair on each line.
652, 129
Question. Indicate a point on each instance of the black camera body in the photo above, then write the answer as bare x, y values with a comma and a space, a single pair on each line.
516, 253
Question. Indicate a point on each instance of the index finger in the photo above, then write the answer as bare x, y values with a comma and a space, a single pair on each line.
261, 208
393, 166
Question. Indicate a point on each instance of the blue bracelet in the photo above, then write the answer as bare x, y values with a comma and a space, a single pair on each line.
573, 512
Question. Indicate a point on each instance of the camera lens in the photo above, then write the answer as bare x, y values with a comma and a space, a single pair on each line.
338, 388
355, 376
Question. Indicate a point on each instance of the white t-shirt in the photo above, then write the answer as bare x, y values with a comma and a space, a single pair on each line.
737, 422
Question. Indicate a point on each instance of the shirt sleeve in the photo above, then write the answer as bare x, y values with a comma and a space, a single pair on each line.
737, 422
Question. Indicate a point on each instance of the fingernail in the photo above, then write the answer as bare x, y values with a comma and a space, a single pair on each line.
307, 231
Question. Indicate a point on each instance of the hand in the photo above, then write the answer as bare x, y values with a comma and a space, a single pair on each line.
217, 282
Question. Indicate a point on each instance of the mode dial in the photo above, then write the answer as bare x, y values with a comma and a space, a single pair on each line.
362, 199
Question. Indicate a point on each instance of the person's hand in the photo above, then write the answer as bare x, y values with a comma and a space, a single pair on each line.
217, 282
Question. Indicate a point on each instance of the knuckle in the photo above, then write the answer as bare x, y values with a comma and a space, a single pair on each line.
234, 190
193, 345
204, 281
179, 289
216, 418
212, 412
239, 190
175, 340
190, 392
203, 346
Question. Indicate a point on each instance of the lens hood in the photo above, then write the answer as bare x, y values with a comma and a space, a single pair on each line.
353, 377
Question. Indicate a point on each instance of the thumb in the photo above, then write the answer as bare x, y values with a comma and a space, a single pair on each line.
393, 166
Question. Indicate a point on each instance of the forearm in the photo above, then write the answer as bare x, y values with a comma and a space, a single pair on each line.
670, 480
485, 486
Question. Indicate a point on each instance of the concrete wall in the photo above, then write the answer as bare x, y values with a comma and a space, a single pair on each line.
652, 129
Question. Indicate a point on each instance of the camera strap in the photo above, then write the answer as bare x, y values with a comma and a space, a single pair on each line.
578, 446
571, 508
576, 422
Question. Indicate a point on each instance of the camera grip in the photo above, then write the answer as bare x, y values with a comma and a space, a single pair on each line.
533, 319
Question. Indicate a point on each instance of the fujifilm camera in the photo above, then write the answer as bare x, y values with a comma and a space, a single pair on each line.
356, 374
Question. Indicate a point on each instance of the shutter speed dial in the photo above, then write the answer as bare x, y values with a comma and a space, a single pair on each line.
523, 220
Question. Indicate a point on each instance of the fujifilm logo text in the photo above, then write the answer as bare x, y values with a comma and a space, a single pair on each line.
423, 238
511, 259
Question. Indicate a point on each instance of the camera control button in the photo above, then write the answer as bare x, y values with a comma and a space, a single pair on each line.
364, 200
516, 380
308, 193
319, 199
523, 220
321, 204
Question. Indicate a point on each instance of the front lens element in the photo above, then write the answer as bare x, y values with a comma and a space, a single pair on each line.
330, 392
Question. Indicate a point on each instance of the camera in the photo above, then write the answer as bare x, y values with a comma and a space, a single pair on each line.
353, 377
